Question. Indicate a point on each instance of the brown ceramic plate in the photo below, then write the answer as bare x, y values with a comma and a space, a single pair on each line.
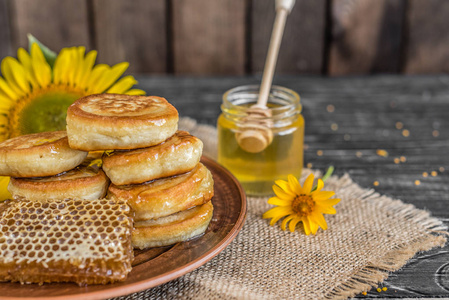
156, 266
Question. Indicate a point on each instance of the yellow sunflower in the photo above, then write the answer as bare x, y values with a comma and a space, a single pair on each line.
35, 92
301, 204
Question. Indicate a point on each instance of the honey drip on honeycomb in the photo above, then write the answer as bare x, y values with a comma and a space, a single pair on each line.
87, 242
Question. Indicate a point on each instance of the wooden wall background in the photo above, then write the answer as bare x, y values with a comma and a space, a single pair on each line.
230, 37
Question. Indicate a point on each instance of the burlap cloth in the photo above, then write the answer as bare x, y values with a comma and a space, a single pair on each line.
369, 236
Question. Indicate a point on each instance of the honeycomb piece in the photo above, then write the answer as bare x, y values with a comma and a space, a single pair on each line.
82, 241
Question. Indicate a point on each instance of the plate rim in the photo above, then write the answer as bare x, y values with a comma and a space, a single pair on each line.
173, 274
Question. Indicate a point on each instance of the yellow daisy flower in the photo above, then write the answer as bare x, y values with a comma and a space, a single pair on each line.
300, 204
34, 96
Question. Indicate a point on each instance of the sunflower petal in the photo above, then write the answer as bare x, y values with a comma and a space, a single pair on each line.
275, 219
60, 75
279, 201
25, 60
308, 183
325, 209
41, 68
292, 224
88, 65
328, 202
97, 72
80, 65
111, 76
285, 221
135, 92
14, 74
122, 85
4, 194
5, 89
294, 184
319, 186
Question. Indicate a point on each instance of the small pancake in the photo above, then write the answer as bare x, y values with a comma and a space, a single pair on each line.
166, 196
38, 154
87, 181
113, 121
172, 229
177, 155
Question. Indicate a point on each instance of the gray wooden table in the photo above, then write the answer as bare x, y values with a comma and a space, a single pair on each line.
347, 121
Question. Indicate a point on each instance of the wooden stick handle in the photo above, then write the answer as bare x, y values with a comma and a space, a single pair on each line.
273, 50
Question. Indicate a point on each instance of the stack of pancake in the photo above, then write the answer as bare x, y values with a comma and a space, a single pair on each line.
154, 167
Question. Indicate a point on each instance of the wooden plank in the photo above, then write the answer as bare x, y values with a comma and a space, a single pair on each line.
209, 36
55, 23
302, 48
133, 31
5, 36
366, 36
427, 37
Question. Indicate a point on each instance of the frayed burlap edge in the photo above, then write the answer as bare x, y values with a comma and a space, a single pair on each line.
433, 230
377, 271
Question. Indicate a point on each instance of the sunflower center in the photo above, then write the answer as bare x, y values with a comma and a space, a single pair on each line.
45, 110
303, 205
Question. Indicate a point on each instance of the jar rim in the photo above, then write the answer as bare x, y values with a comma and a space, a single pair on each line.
293, 98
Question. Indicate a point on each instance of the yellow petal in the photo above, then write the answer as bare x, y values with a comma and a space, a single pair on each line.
323, 195
279, 202
285, 221
25, 60
6, 90
4, 194
122, 85
275, 219
306, 225
136, 92
60, 69
319, 219
325, 209
284, 185
88, 65
281, 193
294, 184
41, 68
292, 224
308, 184
277, 211
97, 72
319, 186
313, 226
111, 76
14, 74
80, 65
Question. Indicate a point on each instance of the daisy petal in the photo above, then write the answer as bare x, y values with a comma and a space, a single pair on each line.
324, 209
279, 202
281, 193
275, 219
292, 224
308, 184
329, 202
285, 186
319, 186
277, 211
306, 225
294, 184
323, 195
319, 219
122, 85
285, 221
313, 226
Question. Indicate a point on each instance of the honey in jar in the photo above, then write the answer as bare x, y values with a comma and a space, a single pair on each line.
282, 155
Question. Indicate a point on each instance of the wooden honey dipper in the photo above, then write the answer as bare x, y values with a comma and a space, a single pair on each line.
256, 133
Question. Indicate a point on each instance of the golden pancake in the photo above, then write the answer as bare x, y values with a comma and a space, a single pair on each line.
177, 155
166, 196
87, 242
113, 121
172, 229
38, 154
87, 181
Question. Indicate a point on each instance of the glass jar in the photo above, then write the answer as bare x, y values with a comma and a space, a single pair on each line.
283, 153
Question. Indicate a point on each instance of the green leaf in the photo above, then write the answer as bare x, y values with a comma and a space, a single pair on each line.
329, 172
50, 56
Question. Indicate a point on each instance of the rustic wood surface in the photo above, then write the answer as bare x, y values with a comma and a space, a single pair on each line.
5, 34
302, 48
349, 119
208, 37
57, 23
426, 42
133, 31
155, 266
366, 36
